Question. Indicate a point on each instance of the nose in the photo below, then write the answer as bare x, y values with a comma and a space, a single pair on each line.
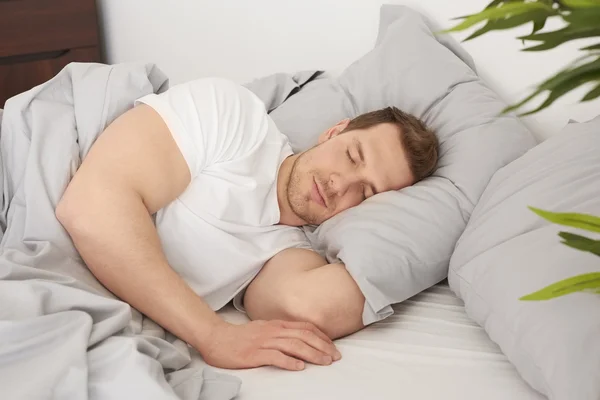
341, 183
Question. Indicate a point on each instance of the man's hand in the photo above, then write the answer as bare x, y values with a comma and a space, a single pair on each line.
278, 343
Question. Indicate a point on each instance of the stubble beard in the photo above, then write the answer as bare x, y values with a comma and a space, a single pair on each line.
298, 201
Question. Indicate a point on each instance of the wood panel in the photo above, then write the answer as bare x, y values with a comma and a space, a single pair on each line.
21, 76
38, 26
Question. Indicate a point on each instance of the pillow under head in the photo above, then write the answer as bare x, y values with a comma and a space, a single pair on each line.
399, 243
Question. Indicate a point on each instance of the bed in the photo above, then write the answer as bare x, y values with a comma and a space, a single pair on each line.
99, 348
429, 349
63, 335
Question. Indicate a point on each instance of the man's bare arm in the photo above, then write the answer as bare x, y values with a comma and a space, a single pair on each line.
299, 285
134, 169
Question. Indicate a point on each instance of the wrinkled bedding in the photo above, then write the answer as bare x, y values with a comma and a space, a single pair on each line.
62, 334
429, 349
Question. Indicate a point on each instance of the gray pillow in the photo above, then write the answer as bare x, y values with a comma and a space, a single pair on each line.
397, 244
507, 252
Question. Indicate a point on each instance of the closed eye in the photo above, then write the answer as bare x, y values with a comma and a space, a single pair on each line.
350, 157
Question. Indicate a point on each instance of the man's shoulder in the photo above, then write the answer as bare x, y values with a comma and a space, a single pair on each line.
206, 81
221, 88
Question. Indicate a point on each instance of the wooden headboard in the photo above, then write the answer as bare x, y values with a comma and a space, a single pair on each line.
39, 37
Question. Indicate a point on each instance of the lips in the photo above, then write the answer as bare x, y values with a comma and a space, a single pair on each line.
317, 195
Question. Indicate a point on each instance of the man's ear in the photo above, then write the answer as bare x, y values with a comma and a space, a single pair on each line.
334, 130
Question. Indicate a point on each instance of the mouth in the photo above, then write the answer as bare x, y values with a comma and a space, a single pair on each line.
317, 194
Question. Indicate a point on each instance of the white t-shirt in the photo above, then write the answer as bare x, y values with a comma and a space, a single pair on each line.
219, 233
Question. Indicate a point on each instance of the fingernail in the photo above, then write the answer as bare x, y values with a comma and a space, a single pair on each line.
326, 360
337, 355
299, 365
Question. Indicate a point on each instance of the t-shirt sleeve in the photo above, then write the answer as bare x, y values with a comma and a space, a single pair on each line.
212, 120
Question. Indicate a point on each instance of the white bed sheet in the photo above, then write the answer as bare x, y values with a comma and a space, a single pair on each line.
429, 349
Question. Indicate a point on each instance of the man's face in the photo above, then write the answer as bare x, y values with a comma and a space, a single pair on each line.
346, 168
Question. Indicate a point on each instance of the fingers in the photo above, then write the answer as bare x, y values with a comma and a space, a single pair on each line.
307, 326
312, 336
278, 359
298, 349
311, 340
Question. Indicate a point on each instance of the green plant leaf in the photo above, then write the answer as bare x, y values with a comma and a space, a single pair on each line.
577, 67
555, 93
575, 220
581, 3
592, 47
538, 17
580, 242
556, 38
538, 24
494, 3
580, 283
564, 88
592, 94
563, 82
583, 16
505, 11
583, 21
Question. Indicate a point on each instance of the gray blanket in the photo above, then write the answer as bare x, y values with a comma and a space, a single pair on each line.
62, 334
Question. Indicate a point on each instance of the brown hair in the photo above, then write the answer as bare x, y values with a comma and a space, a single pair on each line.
419, 142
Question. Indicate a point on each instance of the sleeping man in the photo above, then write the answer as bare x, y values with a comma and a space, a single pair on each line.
194, 198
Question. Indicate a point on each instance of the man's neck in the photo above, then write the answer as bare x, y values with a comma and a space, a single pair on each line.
287, 215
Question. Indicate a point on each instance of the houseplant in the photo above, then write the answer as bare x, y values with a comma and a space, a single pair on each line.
581, 19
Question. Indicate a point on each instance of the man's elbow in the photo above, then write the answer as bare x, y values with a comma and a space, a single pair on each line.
73, 214
290, 307
296, 307
64, 213
334, 319
337, 312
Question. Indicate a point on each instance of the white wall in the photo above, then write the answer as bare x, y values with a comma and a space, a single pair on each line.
246, 39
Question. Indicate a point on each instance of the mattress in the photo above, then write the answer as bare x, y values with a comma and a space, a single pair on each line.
429, 349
